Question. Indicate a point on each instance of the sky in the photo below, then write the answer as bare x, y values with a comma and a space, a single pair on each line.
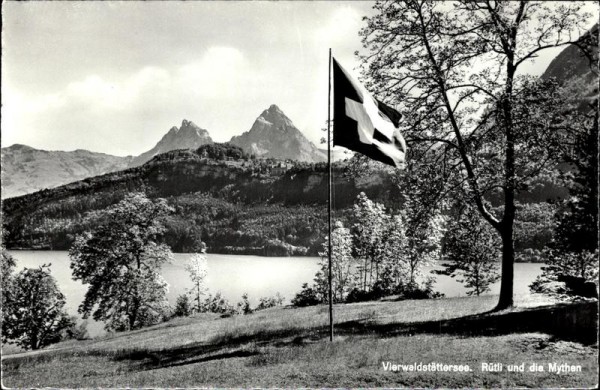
114, 77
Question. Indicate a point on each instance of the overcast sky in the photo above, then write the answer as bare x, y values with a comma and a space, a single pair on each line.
114, 77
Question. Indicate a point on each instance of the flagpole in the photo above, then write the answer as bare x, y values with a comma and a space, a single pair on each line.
329, 198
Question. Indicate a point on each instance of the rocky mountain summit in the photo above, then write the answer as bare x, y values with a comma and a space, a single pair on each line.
188, 136
274, 135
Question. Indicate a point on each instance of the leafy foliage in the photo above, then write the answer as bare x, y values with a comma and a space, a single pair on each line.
76, 331
218, 151
32, 314
120, 261
572, 265
341, 265
534, 227
243, 307
308, 296
217, 304
369, 233
380, 256
268, 302
473, 251
197, 269
183, 307
7, 266
474, 127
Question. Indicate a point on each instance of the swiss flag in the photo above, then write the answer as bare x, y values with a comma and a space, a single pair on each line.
362, 123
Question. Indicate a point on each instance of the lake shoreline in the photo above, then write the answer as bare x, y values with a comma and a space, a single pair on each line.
232, 253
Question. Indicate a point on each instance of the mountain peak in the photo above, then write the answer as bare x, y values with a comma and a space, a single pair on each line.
274, 108
275, 116
186, 123
188, 136
274, 135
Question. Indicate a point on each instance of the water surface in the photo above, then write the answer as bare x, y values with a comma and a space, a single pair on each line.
234, 275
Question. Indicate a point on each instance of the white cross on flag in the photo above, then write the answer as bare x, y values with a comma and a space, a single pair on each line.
363, 124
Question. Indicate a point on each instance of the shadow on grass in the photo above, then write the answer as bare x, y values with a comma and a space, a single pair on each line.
215, 349
569, 321
179, 356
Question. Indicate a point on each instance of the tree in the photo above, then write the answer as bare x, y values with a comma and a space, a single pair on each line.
572, 265
120, 261
369, 236
308, 296
341, 265
182, 306
197, 269
33, 314
243, 307
7, 266
422, 240
474, 126
393, 248
473, 251
534, 228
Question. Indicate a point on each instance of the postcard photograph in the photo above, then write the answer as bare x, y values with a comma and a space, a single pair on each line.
299, 194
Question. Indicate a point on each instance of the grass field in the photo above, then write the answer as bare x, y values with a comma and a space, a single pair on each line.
286, 347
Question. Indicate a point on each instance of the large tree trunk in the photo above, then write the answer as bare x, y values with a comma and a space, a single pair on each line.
34, 344
508, 259
507, 225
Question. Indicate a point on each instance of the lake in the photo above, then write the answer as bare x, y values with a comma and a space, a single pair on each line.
234, 275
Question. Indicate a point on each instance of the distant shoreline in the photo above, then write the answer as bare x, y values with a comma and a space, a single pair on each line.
10, 250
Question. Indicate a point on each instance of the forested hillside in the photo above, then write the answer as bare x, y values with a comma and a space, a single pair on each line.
222, 197
228, 200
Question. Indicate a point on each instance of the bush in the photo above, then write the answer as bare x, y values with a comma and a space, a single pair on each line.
267, 302
359, 295
76, 332
308, 296
217, 304
414, 291
182, 306
243, 307
404, 291
568, 275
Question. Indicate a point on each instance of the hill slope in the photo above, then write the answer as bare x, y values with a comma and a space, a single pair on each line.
289, 347
26, 170
573, 63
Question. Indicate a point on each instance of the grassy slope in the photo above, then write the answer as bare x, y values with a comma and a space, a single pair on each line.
287, 347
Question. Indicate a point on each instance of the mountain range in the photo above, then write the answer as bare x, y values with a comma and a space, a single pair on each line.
26, 169
221, 195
